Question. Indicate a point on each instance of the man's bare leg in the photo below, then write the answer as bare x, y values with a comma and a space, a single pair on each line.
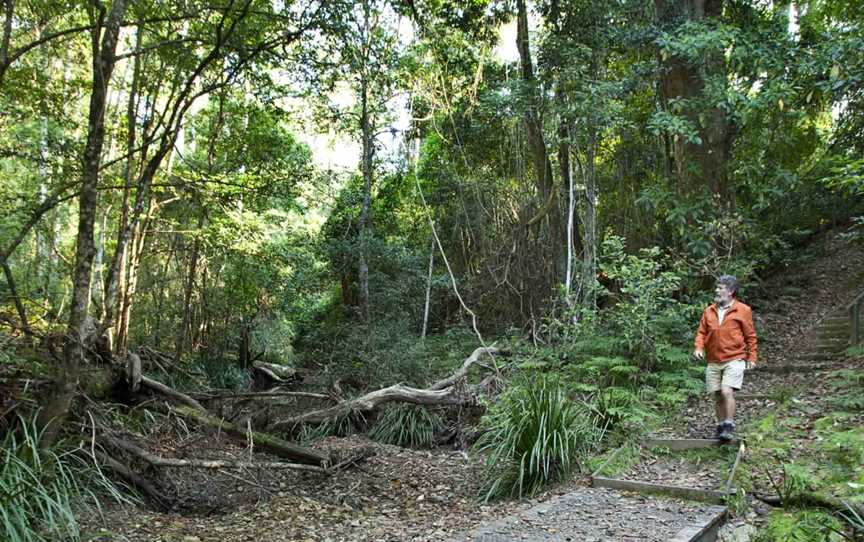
728, 401
719, 406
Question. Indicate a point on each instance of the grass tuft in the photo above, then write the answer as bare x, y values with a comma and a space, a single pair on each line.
40, 488
408, 426
535, 434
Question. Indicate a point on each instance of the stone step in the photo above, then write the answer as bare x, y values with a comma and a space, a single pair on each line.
834, 353
833, 338
597, 513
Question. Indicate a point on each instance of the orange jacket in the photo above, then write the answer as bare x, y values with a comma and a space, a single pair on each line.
734, 339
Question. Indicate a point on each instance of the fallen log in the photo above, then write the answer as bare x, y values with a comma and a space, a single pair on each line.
269, 443
160, 461
260, 394
814, 500
443, 392
157, 386
371, 401
276, 373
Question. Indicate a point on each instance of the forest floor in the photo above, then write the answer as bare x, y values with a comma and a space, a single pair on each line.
401, 494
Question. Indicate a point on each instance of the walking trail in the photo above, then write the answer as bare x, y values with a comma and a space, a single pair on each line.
804, 332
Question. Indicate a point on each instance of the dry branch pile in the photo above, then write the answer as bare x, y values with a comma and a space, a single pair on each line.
121, 452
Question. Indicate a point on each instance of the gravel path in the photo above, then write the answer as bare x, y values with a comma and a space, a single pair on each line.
595, 515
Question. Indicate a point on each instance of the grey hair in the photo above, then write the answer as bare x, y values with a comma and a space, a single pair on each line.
730, 282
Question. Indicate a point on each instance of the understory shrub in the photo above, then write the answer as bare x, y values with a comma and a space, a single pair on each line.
39, 487
224, 374
801, 526
646, 314
409, 426
534, 434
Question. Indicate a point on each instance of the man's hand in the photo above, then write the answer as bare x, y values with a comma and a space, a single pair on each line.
699, 353
750, 365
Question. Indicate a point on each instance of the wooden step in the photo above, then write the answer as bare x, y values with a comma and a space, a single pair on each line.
816, 357
834, 320
800, 366
832, 347
835, 327
831, 342
834, 334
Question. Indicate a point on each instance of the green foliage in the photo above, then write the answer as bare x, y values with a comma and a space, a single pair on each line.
738, 503
854, 520
621, 408
855, 351
535, 434
801, 526
845, 447
41, 488
223, 373
647, 315
782, 394
409, 426
797, 481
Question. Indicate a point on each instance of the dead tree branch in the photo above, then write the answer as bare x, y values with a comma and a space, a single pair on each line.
443, 392
193, 410
159, 461
463, 370
262, 441
133, 479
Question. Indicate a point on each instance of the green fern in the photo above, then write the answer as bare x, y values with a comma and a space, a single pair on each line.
619, 407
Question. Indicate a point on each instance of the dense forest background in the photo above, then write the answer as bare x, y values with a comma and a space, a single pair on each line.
364, 192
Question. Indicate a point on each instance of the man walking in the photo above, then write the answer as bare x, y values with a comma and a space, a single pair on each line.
727, 339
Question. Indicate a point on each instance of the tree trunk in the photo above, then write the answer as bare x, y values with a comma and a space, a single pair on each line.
366, 129
428, 289
115, 281
57, 409
265, 442
589, 222
6, 39
131, 282
567, 175
16, 299
97, 291
185, 332
697, 166
533, 125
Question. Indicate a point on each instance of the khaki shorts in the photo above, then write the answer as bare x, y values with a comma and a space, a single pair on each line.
728, 375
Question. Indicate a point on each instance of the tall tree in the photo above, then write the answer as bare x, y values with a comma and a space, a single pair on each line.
701, 162
104, 34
